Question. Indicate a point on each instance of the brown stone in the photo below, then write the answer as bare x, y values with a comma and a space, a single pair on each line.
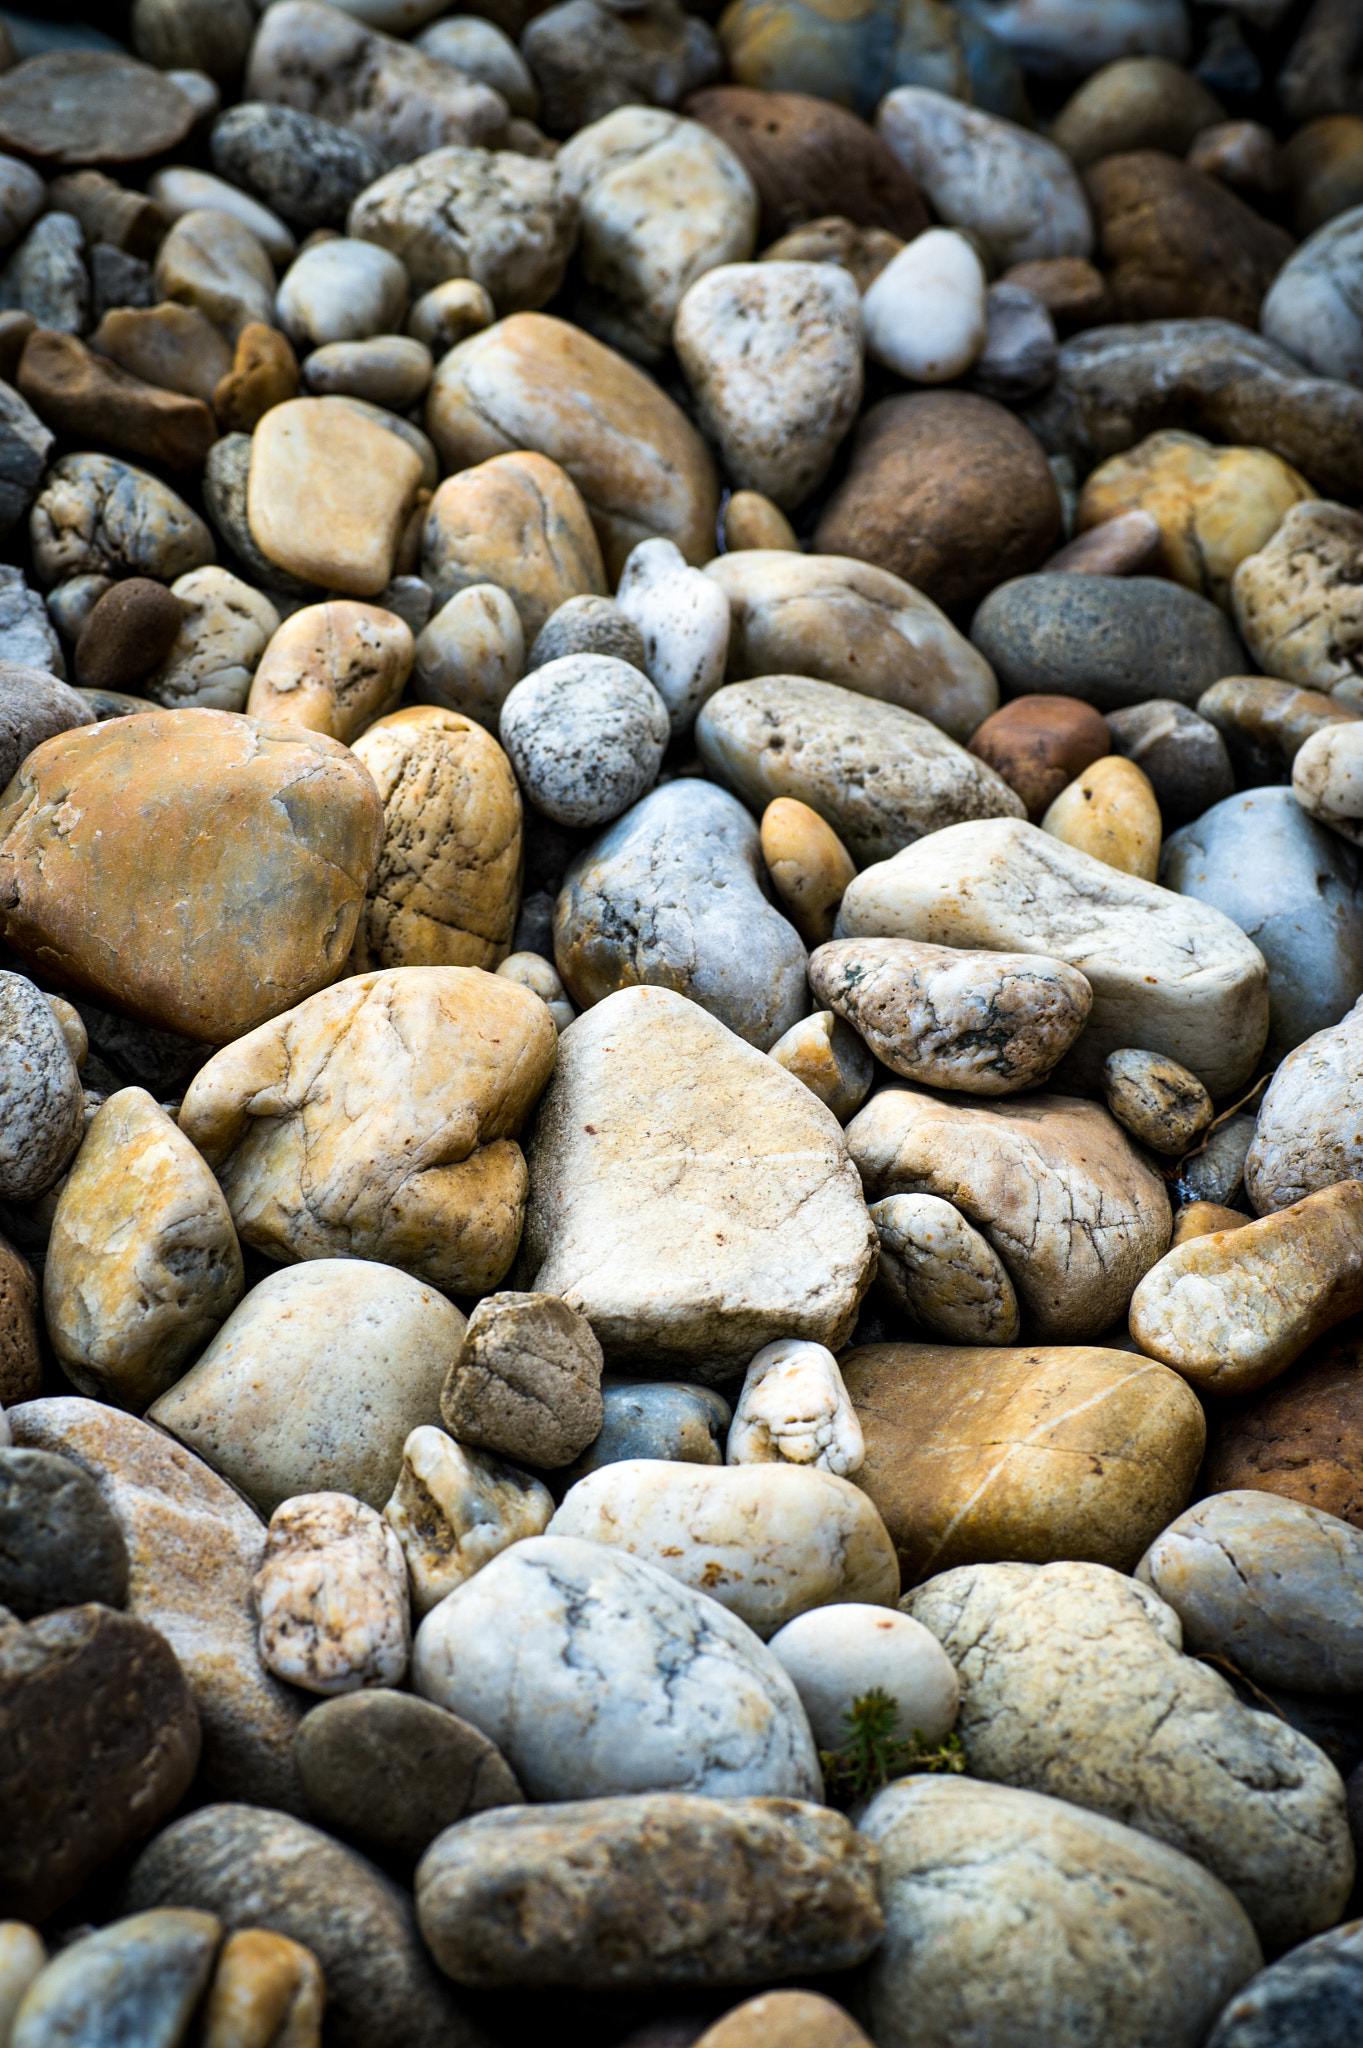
209, 871
173, 346
333, 668
527, 1381
1126, 545
1242, 154
329, 494
1324, 164
949, 491
264, 373
1039, 744
91, 107
1303, 1436
1031, 1454
785, 2019
862, 252
1072, 291
1200, 1219
76, 392
21, 1365
1265, 721
128, 634
15, 328
267, 1992
517, 521
109, 212
99, 1740
809, 157
1177, 245
1143, 103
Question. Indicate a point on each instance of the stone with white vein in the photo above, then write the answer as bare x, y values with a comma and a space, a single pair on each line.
794, 1410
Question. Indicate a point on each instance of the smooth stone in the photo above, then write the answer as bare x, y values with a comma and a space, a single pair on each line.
42, 1115
1200, 1219
836, 1655
793, 1409
1034, 1453
924, 314
1143, 102
1299, 1437
180, 189
482, 50
538, 383
390, 370
22, 198
752, 521
772, 353
1159, 1102
519, 521
140, 1977
211, 260
809, 866
471, 654
830, 1060
253, 1866
1295, 888
590, 625
1305, 1138
332, 668
1018, 359
1232, 1311
22, 1955
225, 627
845, 621
1312, 306
1072, 1683
96, 515
1039, 743
941, 1273
1327, 778
27, 638
142, 1263
879, 776
1306, 1999
774, 2019
341, 289
626, 1679
527, 1381
304, 169
1092, 1931
263, 374
129, 632
659, 1419
303, 1430
449, 313
505, 220
1110, 812
983, 1023
1178, 245
1323, 166
586, 736
453, 1509
705, 1269
1213, 1173
1095, 1217
60, 1545
1297, 600
309, 513
809, 157
101, 1741
25, 446
1126, 545
46, 276
671, 895
534, 972
1111, 641
949, 491
264, 1982
682, 619
1265, 722
331, 1594
1182, 755
91, 106
1269, 1584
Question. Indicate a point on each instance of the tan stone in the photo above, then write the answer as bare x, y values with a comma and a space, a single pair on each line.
174, 346
1298, 603
471, 655
263, 373
785, 2019
331, 1594
752, 521
1111, 812
329, 494
1263, 721
267, 1992
1157, 1100
1034, 1453
1303, 1436
333, 668
831, 1060
1232, 1310
449, 313
225, 627
211, 261
143, 1262
1137, 102
1050, 1181
517, 521
808, 864
535, 382
447, 886
378, 1121
21, 1366
250, 846
1327, 778
1200, 1219
938, 1269
1214, 505
527, 1381
455, 1508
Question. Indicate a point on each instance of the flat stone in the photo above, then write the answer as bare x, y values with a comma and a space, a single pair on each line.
942, 1273
1143, 102
308, 515
333, 668
705, 1705
518, 521
141, 1976
830, 1060
1176, 244
304, 169
1159, 1102
793, 1409
809, 866
331, 1594
1306, 1136
764, 1888
527, 1381
586, 736
42, 1112
1039, 743
60, 1546
471, 654
390, 370
91, 107
453, 1509
808, 157
96, 515
1297, 602
174, 346
661, 1419
1111, 641
1307, 1999
1327, 778
1183, 756
225, 626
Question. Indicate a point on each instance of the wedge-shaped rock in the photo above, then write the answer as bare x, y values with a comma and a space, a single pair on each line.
1050, 1181
688, 1196
1168, 974
1073, 1683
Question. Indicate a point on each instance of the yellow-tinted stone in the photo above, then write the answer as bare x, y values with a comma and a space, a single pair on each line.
1110, 812
517, 521
752, 521
333, 668
267, 1992
1200, 1219
808, 864
830, 1059
329, 493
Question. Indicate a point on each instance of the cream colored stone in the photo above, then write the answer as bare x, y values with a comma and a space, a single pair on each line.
830, 1059
684, 621
341, 290
1309, 1132
481, 50
389, 370
449, 313
517, 521
925, 313
227, 627
316, 1381
331, 1594
794, 1410
504, 220
329, 493
942, 1272
471, 655
837, 1654
1110, 812
333, 668
72, 1028
455, 1508
1157, 1100
1168, 973
1327, 779
534, 972
22, 1955
179, 189
766, 1541
808, 864
1298, 602
212, 261
267, 1992
143, 1263
752, 521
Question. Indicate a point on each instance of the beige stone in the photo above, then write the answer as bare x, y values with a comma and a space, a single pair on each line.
331, 1594
938, 1269
329, 493
500, 218
389, 370
785, 2019
527, 1381
176, 347
1200, 1219
455, 1508
316, 1380
213, 262
532, 382
831, 1060
226, 628
1110, 812
517, 521
752, 521
1298, 602
267, 1992
22, 1955
1309, 1132
1050, 1181
534, 972
449, 313
1233, 1310
808, 864
1073, 1684
333, 668
471, 655
1327, 779
1157, 1100
793, 1409
143, 1263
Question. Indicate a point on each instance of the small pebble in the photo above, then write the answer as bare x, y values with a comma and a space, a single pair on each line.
1157, 1100
793, 1409
331, 1595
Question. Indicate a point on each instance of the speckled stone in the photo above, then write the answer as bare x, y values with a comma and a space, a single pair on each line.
586, 736
942, 1273
1110, 640
331, 1594
1157, 1100
454, 1508
1308, 1998
527, 1381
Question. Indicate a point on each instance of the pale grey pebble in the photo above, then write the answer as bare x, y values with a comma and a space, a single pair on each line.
46, 275
653, 1419
70, 604
1020, 347
42, 1103
303, 168
27, 638
587, 625
34, 706
138, 1979
586, 736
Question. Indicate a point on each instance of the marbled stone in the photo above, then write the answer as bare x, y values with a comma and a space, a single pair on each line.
471, 654
305, 169
942, 1273
330, 492
333, 668
829, 1058
331, 1594
1183, 756
453, 1509
1297, 600
1306, 1999
683, 622
586, 736
837, 1654
27, 636
140, 1977
1110, 640
527, 1381
225, 627
505, 220
60, 1545
1159, 1102
1307, 1135
42, 1113
793, 1409
97, 515
519, 521
809, 866
1039, 743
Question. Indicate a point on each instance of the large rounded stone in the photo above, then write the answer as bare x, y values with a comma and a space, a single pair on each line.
1309, 1132
809, 158
1110, 640
1176, 244
517, 521
1301, 1437
586, 736
60, 1545
503, 219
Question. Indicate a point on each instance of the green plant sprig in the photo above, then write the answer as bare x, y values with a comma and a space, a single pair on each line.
873, 1755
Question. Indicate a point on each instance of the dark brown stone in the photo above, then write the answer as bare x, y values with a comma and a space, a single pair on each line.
1324, 164
128, 634
1303, 1436
76, 392
1324, 69
91, 107
264, 373
1072, 291
1179, 246
1129, 544
1039, 744
109, 212
949, 491
21, 1367
99, 1739
808, 157
174, 347
1242, 154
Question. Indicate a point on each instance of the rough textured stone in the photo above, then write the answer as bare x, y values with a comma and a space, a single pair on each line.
60, 1545
502, 219
527, 1381
331, 1594
96, 515
42, 1110
305, 169
683, 623
586, 736
793, 1409
453, 1509
224, 628
333, 668
27, 635
1326, 778
141, 1976
518, 521
82, 106
129, 632
1157, 1100
809, 157
1178, 245
938, 1269
1039, 743
1109, 640
1307, 1134
1297, 600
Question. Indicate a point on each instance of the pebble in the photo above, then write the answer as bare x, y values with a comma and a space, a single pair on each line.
40, 1092
1323, 169
1143, 102
1112, 641
22, 197
1126, 545
1178, 244
453, 1509
1265, 723
212, 261
533, 971
1182, 755
332, 668
1304, 1139
829, 1059
924, 314
46, 276
390, 370
309, 514
471, 654
793, 1409
262, 1982
482, 50
1296, 601
938, 1269
1018, 359
180, 189
586, 736
264, 373
1039, 744
520, 522
683, 622
589, 625
1310, 309
1159, 1102
342, 289
171, 345
810, 157
751, 521
1306, 1999
304, 169
664, 1419
60, 1546
331, 1594
27, 638
129, 632
224, 628
1110, 812
505, 220
809, 866
527, 1381
22, 1956
141, 1976
96, 515
837, 1654
1326, 779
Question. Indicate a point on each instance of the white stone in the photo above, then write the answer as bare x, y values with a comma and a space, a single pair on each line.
1309, 1132
836, 1654
180, 189
22, 1955
1017, 192
684, 618
795, 1410
1314, 307
943, 1273
455, 1508
773, 355
342, 290
766, 1541
586, 736
925, 314
595, 1673
331, 1594
227, 627
533, 971
500, 218
480, 50
471, 655
1327, 779
1070, 38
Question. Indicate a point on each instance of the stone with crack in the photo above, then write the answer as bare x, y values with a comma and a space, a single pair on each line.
942, 1273
527, 1381
333, 668
505, 220
518, 521
331, 1594
793, 1409
225, 629
455, 1508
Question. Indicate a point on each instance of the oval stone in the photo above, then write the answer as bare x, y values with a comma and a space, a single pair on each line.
1110, 640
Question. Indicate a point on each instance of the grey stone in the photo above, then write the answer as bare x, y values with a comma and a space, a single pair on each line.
1309, 1132
117, 279
138, 1979
1310, 1998
1111, 640
587, 625
97, 515
27, 638
1215, 1173
34, 706
306, 170
527, 1381
586, 736
672, 894
225, 481
588, 58
1020, 350
1183, 755
42, 1105
70, 604
22, 197
1295, 888
257, 1868
654, 1419
46, 275
25, 444
60, 1545
1314, 307
389, 1772
501, 218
